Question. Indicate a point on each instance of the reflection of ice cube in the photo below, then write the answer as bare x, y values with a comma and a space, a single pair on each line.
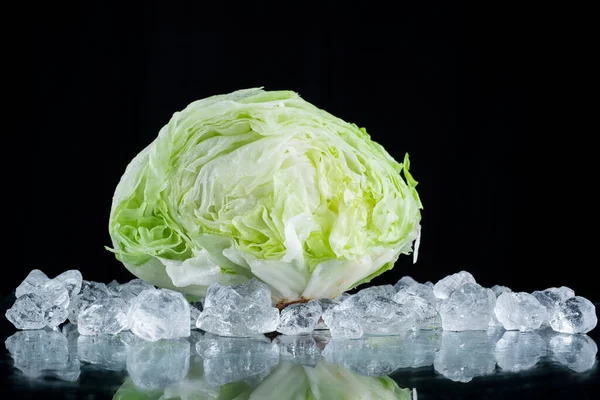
576, 352
379, 356
156, 365
519, 351
43, 353
106, 351
465, 355
302, 350
228, 359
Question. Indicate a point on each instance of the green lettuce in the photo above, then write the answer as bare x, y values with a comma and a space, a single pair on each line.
263, 184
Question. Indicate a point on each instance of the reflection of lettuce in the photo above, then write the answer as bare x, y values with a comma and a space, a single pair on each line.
287, 381
263, 184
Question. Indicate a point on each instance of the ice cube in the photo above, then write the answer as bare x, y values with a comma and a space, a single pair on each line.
229, 359
32, 282
405, 281
326, 304
160, 314
378, 315
552, 297
429, 284
519, 311
54, 316
386, 291
255, 291
105, 316
229, 313
42, 352
301, 350
499, 289
26, 313
445, 286
419, 299
574, 315
113, 288
156, 365
468, 308
576, 352
342, 324
106, 351
72, 280
343, 297
133, 288
519, 351
91, 292
300, 318
465, 355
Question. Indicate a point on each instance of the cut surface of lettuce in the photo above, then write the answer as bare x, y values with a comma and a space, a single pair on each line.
263, 184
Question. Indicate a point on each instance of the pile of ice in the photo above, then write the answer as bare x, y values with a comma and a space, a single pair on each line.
455, 303
100, 309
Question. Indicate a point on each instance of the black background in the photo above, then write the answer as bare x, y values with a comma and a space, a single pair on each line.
453, 85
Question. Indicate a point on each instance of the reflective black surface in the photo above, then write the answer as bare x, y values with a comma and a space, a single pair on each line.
436, 364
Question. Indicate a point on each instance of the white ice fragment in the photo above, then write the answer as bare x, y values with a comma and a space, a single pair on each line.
445, 286
160, 314
300, 318
105, 316
469, 307
574, 315
519, 311
238, 310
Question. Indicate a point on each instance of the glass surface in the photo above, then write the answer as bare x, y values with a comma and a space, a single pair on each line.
426, 364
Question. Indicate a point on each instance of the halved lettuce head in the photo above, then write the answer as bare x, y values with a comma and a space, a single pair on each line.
263, 184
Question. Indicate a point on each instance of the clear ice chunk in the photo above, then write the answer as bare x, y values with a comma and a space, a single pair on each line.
113, 288
342, 297
405, 281
574, 315
238, 310
41, 353
54, 316
105, 316
499, 289
465, 355
133, 288
72, 280
229, 359
106, 351
429, 284
91, 292
445, 286
32, 282
255, 291
302, 350
157, 365
386, 291
378, 315
519, 351
300, 318
25, 313
160, 314
519, 311
552, 297
419, 299
342, 324
469, 307
326, 304
576, 352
